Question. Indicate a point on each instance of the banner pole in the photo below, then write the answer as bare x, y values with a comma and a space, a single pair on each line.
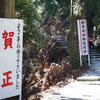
80, 60
20, 97
89, 59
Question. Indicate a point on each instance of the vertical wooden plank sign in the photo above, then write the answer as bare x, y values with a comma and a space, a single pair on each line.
11, 37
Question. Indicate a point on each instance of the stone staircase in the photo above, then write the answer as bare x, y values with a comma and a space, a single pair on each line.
62, 41
94, 56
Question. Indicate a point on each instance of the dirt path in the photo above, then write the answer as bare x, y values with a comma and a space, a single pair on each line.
86, 87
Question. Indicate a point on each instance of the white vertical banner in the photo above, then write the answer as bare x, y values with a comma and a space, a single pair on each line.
83, 37
11, 33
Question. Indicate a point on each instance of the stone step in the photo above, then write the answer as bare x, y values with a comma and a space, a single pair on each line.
60, 39
65, 48
88, 78
96, 54
63, 41
93, 50
95, 60
95, 57
64, 45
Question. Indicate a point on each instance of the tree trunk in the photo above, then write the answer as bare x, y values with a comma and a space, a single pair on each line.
2, 8
7, 8
73, 38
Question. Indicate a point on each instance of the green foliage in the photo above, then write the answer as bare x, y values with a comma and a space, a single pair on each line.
55, 7
92, 13
26, 10
77, 8
51, 8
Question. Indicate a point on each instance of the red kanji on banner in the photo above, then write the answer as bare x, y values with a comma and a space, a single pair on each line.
6, 80
8, 40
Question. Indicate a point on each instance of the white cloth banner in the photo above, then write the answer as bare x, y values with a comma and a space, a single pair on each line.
83, 37
11, 33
